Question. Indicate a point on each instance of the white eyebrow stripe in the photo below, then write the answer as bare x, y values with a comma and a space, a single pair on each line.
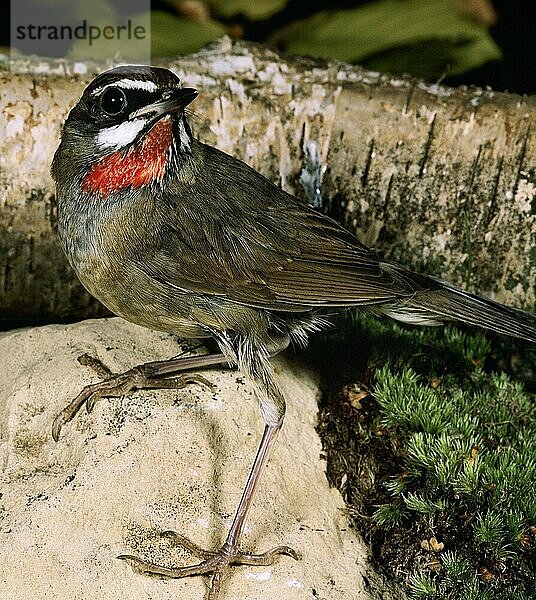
121, 135
130, 84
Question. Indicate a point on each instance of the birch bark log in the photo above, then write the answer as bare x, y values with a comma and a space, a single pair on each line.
442, 180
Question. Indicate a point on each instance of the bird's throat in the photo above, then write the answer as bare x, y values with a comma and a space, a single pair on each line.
140, 165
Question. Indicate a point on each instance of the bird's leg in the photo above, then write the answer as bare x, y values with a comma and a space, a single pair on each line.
216, 563
151, 375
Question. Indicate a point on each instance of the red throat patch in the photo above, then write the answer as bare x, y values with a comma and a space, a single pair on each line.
140, 165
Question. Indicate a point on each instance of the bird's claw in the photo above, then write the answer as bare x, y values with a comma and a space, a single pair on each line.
117, 385
213, 563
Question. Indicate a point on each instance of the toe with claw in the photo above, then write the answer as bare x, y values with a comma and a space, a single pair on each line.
117, 385
213, 563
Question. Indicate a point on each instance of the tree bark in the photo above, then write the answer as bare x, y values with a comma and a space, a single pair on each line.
439, 179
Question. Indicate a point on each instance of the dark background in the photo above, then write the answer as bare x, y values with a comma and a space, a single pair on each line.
443, 41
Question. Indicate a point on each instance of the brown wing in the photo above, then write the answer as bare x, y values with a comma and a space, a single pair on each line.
234, 234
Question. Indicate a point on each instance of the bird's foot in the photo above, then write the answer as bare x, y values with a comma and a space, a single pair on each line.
213, 563
117, 385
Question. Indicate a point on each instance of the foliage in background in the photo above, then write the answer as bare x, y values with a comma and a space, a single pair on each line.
259, 9
424, 38
436, 455
427, 38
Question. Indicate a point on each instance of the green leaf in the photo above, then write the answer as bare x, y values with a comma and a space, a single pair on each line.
422, 37
389, 515
169, 36
422, 585
172, 35
260, 9
420, 503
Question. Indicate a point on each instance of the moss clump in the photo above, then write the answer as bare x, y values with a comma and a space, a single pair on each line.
438, 462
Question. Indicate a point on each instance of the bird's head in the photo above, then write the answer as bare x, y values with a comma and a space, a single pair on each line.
126, 131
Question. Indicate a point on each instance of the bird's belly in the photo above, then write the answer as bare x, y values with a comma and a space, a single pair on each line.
141, 300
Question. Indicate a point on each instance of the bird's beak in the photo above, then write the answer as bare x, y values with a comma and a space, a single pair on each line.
172, 101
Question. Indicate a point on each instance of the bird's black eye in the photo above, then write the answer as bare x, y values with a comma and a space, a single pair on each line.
113, 101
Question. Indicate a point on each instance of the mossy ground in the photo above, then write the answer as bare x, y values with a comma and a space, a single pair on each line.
430, 434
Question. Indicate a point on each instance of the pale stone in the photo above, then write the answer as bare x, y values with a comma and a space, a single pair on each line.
158, 460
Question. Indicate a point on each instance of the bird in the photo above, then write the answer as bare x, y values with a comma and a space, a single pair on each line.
178, 236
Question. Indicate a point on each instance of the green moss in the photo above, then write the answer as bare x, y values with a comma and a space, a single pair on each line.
451, 443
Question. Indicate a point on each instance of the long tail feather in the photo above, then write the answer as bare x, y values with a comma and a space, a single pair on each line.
438, 301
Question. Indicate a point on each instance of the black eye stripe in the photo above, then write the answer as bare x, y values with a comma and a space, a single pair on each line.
141, 84
134, 100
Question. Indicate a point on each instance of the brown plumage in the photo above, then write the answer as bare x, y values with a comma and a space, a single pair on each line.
176, 235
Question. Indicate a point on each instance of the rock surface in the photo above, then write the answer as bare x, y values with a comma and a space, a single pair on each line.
154, 461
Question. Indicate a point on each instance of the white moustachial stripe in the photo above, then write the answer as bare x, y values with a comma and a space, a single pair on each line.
121, 135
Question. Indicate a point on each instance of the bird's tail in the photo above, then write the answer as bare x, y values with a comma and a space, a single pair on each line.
434, 302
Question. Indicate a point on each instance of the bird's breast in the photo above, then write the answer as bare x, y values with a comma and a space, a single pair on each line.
143, 164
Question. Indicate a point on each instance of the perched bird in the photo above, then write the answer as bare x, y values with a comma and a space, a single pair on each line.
177, 236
